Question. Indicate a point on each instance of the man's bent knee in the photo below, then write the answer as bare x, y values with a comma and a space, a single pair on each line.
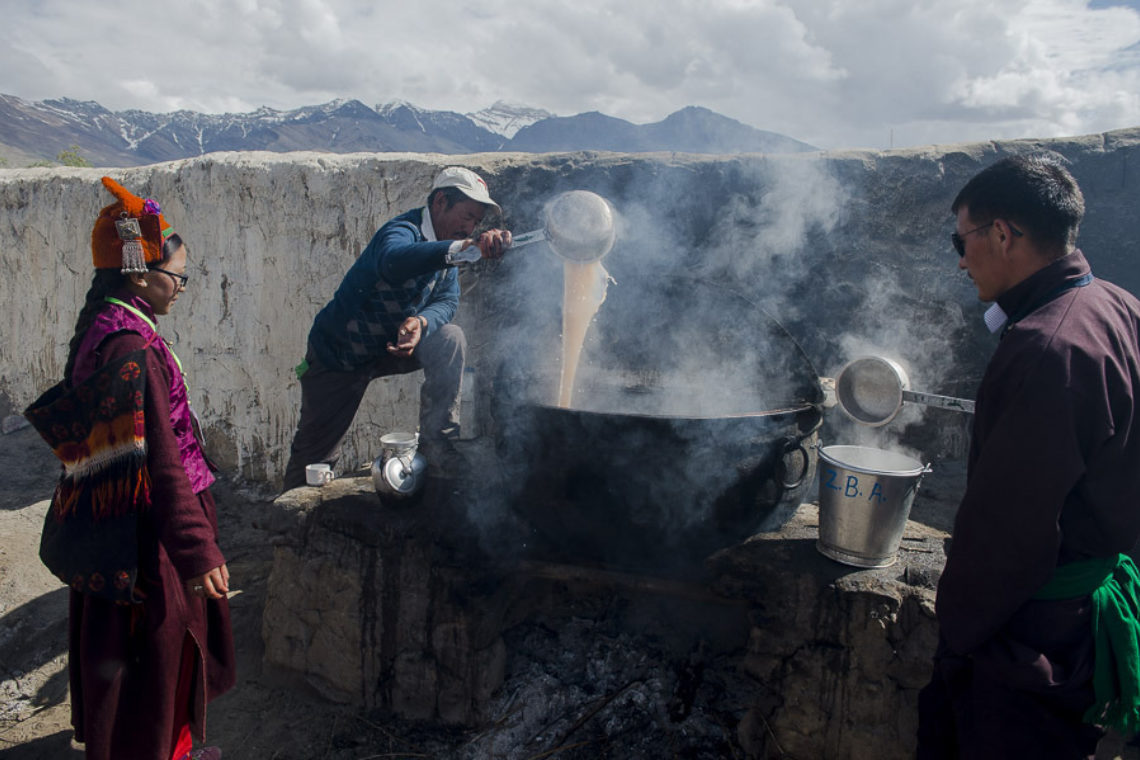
453, 335
444, 346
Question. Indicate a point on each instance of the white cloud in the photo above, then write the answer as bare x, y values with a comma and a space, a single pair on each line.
831, 72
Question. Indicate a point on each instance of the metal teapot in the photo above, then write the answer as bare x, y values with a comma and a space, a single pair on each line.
400, 471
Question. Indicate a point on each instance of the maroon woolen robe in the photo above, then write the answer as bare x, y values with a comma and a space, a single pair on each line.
1054, 477
124, 660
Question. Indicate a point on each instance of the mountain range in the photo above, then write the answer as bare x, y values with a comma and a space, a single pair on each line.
39, 131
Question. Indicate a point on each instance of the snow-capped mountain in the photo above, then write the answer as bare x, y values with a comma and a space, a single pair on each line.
32, 131
467, 136
506, 119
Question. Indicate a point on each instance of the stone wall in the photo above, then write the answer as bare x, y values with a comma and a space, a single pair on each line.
364, 611
848, 250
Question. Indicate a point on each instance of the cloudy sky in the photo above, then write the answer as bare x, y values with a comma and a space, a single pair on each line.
834, 73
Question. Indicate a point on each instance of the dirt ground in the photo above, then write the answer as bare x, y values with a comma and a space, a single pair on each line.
254, 720
259, 719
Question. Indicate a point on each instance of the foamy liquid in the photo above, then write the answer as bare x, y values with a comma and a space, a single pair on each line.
583, 290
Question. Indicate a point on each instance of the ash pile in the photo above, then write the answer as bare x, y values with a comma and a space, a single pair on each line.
587, 690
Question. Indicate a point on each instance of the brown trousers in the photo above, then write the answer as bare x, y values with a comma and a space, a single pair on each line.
329, 399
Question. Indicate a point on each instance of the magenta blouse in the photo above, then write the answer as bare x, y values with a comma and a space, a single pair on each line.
116, 318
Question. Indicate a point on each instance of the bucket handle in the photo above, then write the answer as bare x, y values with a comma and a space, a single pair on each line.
926, 468
792, 445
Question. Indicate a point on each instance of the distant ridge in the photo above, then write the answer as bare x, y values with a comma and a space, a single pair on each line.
31, 131
690, 130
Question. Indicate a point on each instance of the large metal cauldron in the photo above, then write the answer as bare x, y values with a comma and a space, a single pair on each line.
678, 445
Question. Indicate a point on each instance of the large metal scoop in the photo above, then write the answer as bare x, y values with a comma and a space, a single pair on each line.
871, 390
579, 225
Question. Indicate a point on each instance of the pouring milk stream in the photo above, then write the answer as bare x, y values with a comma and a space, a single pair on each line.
580, 229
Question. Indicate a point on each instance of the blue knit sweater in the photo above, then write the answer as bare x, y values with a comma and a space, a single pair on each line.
400, 274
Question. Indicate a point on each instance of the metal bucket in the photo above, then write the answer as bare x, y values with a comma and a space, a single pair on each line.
865, 495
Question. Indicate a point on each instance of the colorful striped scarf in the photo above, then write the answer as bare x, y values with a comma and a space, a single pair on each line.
98, 431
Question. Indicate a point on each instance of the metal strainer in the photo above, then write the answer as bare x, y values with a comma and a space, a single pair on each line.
871, 390
579, 225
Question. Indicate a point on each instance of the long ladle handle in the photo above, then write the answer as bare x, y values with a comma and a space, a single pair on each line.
534, 236
942, 402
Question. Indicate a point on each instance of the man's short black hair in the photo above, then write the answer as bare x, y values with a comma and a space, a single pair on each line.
452, 195
1034, 193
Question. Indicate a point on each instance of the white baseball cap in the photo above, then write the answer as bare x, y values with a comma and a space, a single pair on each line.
468, 182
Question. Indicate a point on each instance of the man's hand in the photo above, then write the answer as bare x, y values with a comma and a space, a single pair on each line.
407, 337
492, 243
212, 585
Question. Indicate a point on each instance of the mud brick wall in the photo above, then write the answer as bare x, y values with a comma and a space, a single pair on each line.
848, 250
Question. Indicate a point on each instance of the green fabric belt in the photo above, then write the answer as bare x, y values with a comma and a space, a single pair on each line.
1114, 584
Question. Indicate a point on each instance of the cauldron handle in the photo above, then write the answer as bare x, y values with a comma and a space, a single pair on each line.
792, 444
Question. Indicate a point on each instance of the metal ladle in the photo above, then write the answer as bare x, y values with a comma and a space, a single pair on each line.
579, 226
871, 390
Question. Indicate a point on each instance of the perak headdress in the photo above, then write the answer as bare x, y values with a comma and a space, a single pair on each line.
130, 233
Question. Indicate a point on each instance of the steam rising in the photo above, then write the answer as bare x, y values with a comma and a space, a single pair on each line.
726, 280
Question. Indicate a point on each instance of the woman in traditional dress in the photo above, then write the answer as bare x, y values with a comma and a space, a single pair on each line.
133, 527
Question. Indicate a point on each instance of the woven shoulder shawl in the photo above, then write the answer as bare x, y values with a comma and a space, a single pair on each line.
98, 431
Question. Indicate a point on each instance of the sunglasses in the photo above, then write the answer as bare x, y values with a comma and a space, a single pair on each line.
179, 279
959, 241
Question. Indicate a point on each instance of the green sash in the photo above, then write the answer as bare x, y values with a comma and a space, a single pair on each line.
1114, 584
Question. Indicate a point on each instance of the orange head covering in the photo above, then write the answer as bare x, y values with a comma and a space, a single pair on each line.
130, 233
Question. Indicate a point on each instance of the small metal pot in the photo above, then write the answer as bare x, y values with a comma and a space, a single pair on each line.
400, 471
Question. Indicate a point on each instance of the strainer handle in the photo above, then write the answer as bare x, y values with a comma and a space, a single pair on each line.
942, 402
534, 236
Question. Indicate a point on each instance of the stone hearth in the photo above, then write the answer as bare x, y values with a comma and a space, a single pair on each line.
771, 650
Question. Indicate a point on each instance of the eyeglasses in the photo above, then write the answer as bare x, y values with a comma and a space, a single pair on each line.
959, 241
179, 279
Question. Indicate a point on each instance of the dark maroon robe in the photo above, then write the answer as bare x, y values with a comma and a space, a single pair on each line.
124, 660
1054, 477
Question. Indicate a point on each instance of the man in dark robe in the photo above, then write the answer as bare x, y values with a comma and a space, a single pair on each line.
1053, 488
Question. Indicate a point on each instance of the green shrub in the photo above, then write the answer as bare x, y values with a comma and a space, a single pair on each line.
71, 157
